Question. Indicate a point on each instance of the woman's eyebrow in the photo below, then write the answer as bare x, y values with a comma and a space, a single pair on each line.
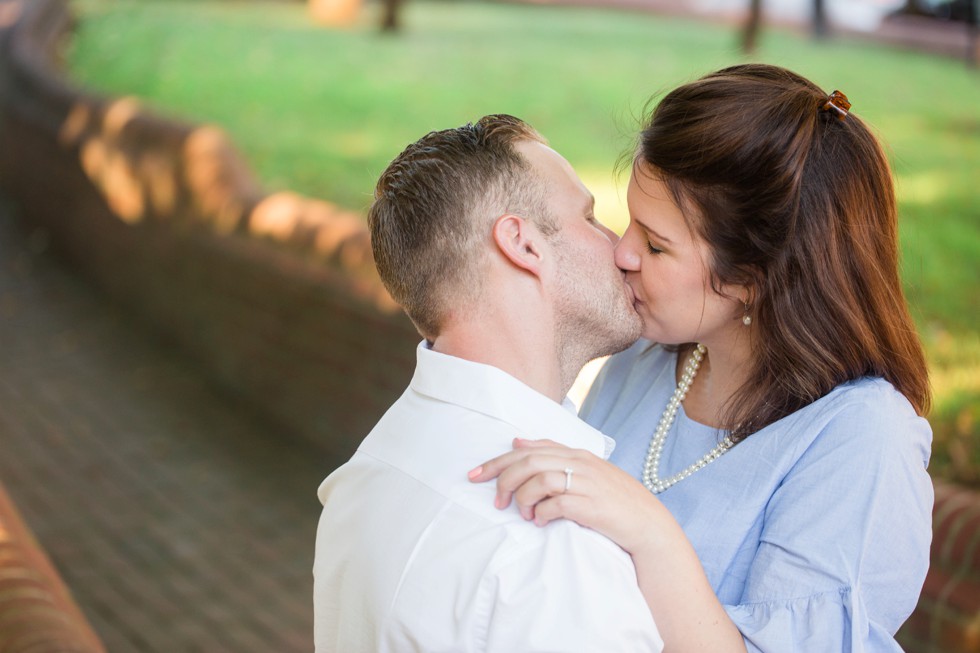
650, 230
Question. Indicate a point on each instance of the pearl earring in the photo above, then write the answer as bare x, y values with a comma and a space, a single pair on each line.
747, 319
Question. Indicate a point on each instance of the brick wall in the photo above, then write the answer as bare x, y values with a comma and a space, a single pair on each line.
276, 296
947, 619
37, 614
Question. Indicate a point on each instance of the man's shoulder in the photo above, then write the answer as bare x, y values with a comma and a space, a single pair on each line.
471, 543
443, 566
457, 510
561, 581
531, 546
420, 452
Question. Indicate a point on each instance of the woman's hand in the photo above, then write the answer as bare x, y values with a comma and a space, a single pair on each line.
600, 496
604, 498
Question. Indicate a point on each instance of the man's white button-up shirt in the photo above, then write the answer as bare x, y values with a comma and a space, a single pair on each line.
412, 556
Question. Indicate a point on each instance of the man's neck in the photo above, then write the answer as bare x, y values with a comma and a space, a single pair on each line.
523, 351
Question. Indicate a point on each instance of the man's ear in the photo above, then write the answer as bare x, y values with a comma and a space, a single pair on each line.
519, 241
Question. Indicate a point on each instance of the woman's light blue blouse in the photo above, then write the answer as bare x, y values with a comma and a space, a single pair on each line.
814, 532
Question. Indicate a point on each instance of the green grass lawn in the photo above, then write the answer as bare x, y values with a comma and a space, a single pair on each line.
322, 111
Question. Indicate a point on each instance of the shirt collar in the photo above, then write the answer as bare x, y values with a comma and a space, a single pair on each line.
490, 391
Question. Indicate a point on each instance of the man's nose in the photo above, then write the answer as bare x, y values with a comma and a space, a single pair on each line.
610, 234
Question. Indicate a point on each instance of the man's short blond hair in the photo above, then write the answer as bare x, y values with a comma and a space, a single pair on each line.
434, 208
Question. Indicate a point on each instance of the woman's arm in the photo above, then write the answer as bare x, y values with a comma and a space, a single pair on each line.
606, 499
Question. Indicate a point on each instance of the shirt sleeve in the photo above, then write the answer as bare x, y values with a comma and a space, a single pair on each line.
845, 546
571, 592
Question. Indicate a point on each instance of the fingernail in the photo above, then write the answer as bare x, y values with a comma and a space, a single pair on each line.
476, 471
496, 502
518, 440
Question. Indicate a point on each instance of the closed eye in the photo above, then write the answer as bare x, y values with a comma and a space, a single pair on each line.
652, 249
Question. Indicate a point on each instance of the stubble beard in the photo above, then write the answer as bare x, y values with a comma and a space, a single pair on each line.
594, 318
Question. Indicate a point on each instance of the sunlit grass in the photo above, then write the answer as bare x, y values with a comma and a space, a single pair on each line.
322, 112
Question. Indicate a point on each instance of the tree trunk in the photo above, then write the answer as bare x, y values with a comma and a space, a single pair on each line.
820, 28
391, 16
973, 43
750, 35
912, 7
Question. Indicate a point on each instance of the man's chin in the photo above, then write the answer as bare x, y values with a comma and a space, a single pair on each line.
626, 339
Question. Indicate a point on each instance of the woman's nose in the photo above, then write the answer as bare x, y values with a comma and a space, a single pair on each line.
625, 255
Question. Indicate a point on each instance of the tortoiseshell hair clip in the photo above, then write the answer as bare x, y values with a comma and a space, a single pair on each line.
837, 102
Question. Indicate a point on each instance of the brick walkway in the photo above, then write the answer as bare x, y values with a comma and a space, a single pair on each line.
179, 521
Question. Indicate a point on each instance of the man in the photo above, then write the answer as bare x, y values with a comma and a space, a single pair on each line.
487, 238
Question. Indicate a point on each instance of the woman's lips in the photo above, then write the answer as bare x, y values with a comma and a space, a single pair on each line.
632, 294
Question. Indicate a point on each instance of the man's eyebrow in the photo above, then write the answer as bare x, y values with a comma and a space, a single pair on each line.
651, 231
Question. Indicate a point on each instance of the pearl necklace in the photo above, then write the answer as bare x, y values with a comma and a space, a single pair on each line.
651, 466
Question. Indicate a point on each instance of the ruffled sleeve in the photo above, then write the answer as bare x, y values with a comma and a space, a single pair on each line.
823, 623
844, 547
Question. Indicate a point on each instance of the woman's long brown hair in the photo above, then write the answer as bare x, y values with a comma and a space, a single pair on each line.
799, 205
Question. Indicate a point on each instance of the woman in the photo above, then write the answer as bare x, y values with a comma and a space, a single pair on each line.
773, 491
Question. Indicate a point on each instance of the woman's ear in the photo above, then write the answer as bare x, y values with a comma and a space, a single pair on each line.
519, 242
746, 295
751, 288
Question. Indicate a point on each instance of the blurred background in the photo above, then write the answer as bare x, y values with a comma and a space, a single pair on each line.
322, 110
168, 464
